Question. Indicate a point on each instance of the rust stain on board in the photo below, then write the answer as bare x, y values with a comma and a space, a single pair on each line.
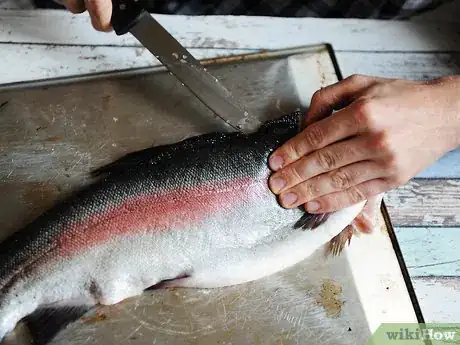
52, 139
237, 58
98, 317
329, 298
39, 194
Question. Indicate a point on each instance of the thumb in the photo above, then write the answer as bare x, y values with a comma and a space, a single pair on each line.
74, 6
368, 219
101, 14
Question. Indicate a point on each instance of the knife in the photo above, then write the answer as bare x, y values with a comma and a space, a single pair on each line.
131, 16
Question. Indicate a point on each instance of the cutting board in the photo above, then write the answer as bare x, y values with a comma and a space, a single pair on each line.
53, 133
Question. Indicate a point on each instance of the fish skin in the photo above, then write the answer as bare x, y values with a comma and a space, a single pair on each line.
198, 212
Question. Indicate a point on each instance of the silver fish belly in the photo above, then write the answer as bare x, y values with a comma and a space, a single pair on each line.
197, 213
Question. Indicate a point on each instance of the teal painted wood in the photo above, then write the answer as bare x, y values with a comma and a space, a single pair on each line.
430, 251
446, 167
439, 298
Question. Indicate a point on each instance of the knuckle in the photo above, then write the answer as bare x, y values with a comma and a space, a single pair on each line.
389, 154
317, 96
295, 149
382, 144
388, 164
329, 203
355, 195
377, 89
294, 174
357, 78
314, 136
341, 180
396, 172
365, 114
309, 191
327, 160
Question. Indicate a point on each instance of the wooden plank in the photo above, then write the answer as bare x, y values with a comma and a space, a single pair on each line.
430, 251
17, 4
242, 32
44, 61
414, 66
66, 60
425, 203
439, 298
61, 61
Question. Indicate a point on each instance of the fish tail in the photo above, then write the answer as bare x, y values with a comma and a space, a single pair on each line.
337, 244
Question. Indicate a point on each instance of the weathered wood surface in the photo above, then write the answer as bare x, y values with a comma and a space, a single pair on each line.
46, 61
421, 248
439, 298
16, 4
425, 202
415, 66
60, 61
239, 32
424, 211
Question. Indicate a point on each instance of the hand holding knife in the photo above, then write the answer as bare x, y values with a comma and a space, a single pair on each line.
130, 16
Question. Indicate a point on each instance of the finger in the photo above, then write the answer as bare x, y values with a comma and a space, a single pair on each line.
353, 195
337, 96
101, 14
341, 125
367, 220
321, 161
339, 180
75, 6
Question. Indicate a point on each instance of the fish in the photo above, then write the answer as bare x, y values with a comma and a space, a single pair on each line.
196, 213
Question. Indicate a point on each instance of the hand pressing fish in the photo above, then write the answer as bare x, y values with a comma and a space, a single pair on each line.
197, 213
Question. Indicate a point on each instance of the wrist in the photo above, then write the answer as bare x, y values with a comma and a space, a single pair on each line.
448, 100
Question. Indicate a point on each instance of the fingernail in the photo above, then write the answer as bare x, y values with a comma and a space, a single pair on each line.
277, 184
288, 198
313, 206
276, 162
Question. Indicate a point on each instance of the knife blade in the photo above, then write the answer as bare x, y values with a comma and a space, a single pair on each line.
130, 16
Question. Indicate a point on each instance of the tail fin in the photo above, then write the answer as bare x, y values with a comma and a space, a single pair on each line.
337, 244
365, 222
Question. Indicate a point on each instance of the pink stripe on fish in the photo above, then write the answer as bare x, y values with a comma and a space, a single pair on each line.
172, 210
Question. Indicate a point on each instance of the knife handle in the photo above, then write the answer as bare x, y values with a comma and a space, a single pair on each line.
125, 14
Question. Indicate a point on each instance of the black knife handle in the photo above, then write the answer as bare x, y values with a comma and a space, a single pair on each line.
125, 14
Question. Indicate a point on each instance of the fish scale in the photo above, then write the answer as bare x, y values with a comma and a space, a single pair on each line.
197, 213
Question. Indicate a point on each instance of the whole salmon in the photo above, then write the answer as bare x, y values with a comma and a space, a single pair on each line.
197, 213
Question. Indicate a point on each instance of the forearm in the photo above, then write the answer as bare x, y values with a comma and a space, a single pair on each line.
447, 97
